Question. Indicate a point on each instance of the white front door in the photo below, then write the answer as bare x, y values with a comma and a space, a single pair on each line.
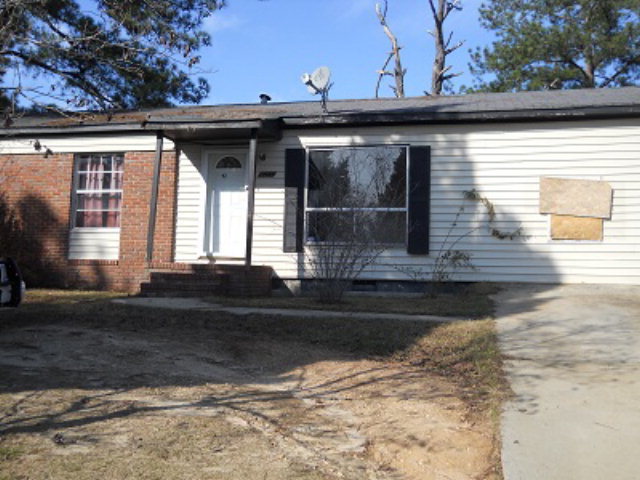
226, 213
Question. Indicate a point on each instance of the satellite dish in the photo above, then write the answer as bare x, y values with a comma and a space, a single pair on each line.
321, 77
319, 83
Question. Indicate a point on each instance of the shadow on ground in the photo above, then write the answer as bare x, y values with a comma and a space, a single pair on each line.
573, 361
324, 396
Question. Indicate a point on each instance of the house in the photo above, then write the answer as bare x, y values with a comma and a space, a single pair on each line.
108, 200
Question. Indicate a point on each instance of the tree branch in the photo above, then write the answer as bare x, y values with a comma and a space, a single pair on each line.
611, 78
434, 13
74, 78
447, 51
382, 73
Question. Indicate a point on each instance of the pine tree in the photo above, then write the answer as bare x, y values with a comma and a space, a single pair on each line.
559, 44
101, 54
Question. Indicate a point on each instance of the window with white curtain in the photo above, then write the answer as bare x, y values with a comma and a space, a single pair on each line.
97, 199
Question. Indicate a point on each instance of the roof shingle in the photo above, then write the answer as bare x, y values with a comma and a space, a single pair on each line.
478, 106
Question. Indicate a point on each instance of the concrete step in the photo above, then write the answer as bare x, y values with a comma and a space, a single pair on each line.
149, 289
198, 280
186, 278
184, 284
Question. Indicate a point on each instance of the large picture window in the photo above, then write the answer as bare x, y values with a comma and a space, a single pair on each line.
98, 190
355, 193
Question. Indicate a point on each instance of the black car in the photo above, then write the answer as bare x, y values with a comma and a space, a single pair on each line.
12, 288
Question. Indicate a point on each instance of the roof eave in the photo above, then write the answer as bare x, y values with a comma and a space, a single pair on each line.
381, 118
47, 130
269, 129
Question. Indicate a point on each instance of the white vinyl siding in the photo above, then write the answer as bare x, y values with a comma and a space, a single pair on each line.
190, 205
133, 142
94, 244
504, 162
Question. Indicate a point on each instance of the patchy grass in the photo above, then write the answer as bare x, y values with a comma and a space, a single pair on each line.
465, 350
459, 347
158, 448
66, 297
465, 353
470, 301
10, 453
468, 352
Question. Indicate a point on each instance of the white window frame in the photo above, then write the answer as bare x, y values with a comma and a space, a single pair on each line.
308, 209
76, 191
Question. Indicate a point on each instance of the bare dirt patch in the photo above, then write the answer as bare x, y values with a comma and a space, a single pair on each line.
94, 390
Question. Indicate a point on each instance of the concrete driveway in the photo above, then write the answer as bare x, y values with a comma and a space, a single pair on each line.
573, 361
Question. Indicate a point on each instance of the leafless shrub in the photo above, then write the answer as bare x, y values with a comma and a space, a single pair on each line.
449, 259
356, 210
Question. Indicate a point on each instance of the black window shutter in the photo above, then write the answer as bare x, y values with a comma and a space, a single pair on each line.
419, 200
294, 173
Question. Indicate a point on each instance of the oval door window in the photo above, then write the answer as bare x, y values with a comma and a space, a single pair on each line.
229, 162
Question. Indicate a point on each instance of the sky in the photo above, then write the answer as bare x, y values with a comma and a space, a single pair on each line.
264, 46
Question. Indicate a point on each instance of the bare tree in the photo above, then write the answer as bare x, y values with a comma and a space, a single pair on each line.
398, 72
443, 46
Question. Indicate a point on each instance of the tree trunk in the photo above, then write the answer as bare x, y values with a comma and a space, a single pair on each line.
398, 71
437, 76
442, 46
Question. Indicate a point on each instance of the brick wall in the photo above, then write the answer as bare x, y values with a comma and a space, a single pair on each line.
35, 198
34, 192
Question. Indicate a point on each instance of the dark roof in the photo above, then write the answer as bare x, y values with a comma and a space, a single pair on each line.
546, 105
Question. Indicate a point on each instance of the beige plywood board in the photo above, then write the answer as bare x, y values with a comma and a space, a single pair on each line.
567, 227
579, 198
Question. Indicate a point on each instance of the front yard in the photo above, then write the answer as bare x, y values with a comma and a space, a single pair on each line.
90, 389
